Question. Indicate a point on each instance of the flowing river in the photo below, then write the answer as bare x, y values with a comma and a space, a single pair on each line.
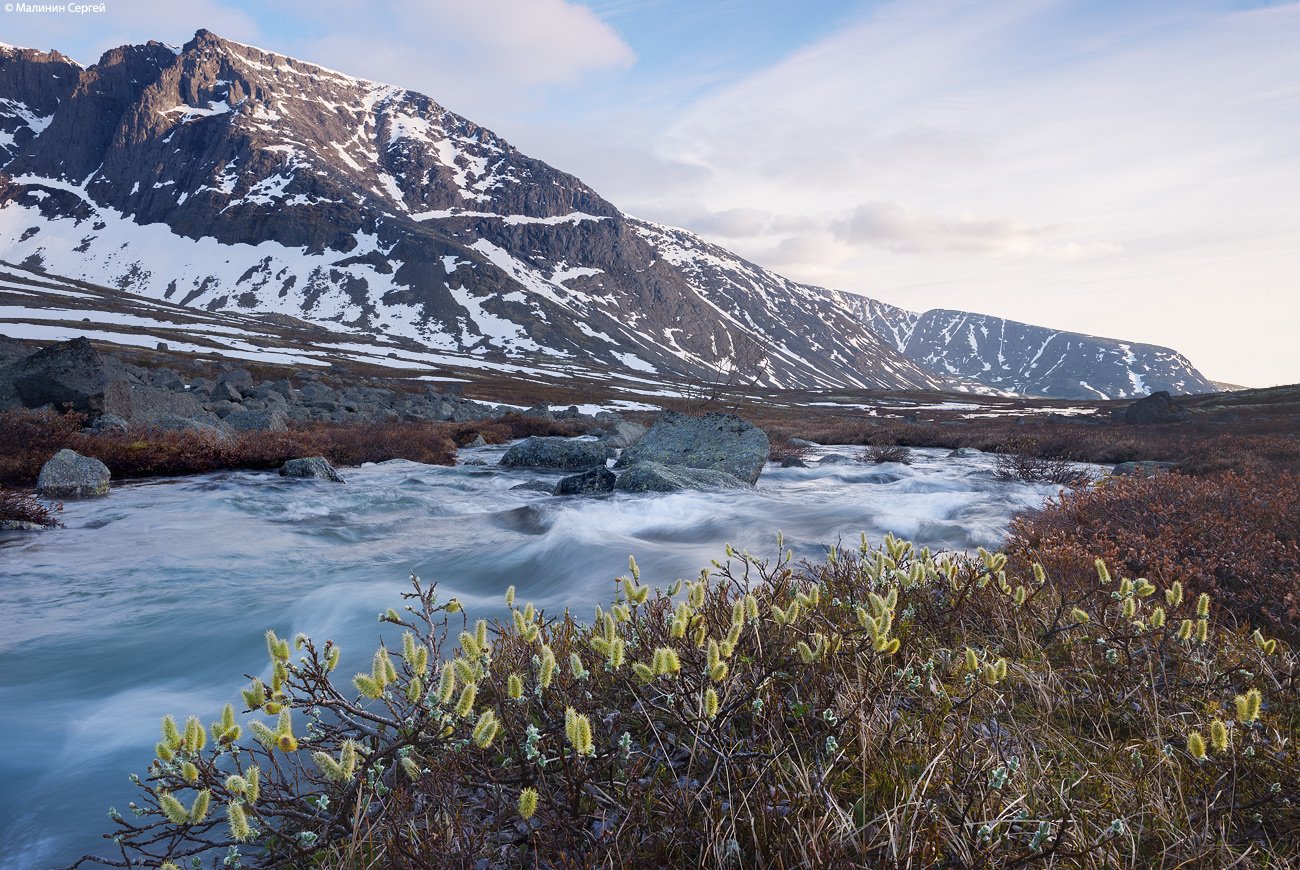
154, 599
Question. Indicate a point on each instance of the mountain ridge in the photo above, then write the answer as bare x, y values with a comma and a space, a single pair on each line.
227, 177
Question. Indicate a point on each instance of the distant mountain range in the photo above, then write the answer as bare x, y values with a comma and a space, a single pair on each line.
226, 178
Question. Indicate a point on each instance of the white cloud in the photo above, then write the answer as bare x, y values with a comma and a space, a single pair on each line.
1121, 172
482, 56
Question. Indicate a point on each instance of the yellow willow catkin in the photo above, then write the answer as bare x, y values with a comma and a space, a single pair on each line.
1219, 736
1196, 746
415, 690
645, 673
1158, 617
1248, 706
1185, 630
1079, 615
1174, 594
195, 736
510, 595
173, 809
576, 667
253, 778
1144, 588
465, 705
485, 730
514, 687
240, 831
189, 772
1040, 574
1129, 608
254, 695
1203, 605
1103, 573
481, 635
527, 803
1202, 630
972, 660
327, 765
469, 643
165, 751
546, 669
410, 768
710, 703
447, 684
199, 809
332, 658
366, 685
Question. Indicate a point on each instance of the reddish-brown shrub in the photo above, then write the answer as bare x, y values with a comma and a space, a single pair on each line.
881, 453
22, 508
32, 437
1236, 536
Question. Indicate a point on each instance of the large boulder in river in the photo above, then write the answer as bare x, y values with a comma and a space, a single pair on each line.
597, 480
554, 452
311, 467
655, 477
68, 474
716, 442
70, 374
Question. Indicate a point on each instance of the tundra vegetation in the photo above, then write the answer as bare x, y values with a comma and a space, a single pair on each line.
884, 706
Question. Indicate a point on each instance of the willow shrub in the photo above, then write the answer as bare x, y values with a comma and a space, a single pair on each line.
888, 706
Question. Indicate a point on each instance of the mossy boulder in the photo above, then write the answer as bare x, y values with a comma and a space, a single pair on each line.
68, 474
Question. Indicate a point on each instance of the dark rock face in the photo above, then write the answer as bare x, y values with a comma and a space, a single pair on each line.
1154, 409
793, 462
270, 420
68, 474
1023, 358
317, 467
597, 480
534, 486
645, 476
554, 452
151, 406
721, 442
835, 459
110, 424
963, 453
70, 374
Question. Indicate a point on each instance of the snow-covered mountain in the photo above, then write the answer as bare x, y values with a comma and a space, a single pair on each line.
1022, 358
226, 178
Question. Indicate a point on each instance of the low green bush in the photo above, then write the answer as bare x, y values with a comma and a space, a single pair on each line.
884, 707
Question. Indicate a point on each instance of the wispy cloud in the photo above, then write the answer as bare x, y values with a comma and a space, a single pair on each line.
1070, 163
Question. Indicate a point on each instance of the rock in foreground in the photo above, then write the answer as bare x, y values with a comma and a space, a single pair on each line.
655, 477
592, 482
555, 452
716, 442
312, 467
68, 474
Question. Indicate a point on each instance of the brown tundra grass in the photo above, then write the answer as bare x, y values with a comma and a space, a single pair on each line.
885, 707
30, 438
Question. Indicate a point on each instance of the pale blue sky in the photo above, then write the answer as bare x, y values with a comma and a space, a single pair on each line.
1121, 168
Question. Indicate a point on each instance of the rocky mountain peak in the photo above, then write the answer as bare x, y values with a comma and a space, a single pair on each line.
229, 178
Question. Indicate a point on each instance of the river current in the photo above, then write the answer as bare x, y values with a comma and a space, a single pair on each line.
154, 600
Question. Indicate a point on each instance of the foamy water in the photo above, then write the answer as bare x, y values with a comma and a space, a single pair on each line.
155, 599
